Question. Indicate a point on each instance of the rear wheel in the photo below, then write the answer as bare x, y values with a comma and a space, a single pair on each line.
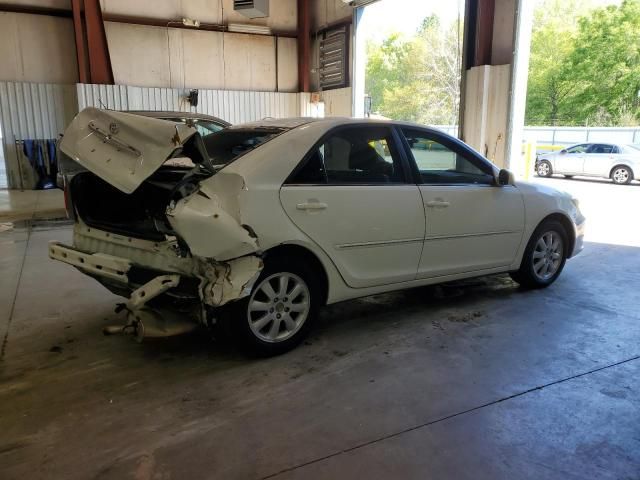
621, 175
544, 169
280, 311
544, 257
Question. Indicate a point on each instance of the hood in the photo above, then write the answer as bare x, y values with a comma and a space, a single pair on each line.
123, 149
530, 187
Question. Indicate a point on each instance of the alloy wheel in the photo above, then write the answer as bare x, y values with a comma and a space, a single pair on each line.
620, 175
543, 169
548, 255
279, 307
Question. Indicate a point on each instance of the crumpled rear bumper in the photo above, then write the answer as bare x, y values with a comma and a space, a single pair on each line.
131, 262
98, 264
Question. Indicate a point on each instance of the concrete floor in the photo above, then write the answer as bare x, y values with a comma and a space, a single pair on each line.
471, 381
16, 205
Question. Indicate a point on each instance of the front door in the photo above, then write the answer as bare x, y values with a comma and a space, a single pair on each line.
571, 160
471, 224
354, 197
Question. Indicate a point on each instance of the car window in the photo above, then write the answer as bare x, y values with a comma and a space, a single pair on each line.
578, 148
357, 155
600, 148
226, 145
443, 162
204, 127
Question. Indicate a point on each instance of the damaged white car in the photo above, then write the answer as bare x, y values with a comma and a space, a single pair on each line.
259, 225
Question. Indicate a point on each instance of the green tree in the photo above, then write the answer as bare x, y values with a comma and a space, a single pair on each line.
606, 65
585, 64
552, 42
417, 78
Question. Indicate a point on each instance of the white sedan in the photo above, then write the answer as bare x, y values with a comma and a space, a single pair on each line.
620, 163
256, 227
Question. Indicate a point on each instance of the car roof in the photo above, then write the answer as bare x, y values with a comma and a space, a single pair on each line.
327, 122
169, 114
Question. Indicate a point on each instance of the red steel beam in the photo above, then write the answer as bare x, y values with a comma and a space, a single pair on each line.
98, 50
81, 42
304, 46
484, 32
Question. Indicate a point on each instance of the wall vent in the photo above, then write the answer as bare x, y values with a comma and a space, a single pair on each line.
334, 58
252, 8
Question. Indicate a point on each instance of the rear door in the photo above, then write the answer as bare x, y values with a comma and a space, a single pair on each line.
354, 196
472, 224
599, 159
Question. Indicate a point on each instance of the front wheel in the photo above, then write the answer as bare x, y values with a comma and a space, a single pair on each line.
544, 257
621, 175
280, 311
544, 169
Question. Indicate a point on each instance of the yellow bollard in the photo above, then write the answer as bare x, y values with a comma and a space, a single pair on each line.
529, 159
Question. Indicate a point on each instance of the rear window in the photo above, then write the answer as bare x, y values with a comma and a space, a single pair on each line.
225, 146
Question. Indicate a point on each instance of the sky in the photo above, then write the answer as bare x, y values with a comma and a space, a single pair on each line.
405, 16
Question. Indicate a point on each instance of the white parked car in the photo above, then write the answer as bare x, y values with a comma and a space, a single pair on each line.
256, 227
620, 163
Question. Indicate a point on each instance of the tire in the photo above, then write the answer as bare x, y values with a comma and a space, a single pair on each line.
258, 323
543, 169
540, 267
621, 175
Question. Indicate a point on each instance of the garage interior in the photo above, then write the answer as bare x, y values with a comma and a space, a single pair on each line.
474, 379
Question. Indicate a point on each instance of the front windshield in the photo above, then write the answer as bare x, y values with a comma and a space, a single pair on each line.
225, 146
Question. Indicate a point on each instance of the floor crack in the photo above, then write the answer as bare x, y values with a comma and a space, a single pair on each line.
5, 339
448, 417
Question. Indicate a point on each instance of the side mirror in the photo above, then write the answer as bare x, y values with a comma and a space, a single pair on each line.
563, 151
505, 177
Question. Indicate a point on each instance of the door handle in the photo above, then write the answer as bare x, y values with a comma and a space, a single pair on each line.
438, 204
312, 206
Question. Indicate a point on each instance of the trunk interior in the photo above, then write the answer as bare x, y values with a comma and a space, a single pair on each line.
140, 214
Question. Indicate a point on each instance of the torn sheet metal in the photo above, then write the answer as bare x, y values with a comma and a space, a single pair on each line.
210, 224
224, 282
121, 148
151, 290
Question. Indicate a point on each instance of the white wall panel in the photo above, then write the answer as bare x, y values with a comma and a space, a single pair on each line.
37, 48
338, 102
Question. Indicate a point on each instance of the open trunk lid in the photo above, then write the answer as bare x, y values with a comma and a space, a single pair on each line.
123, 149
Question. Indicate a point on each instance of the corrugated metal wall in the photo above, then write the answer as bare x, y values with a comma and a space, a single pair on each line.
232, 106
40, 111
32, 111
